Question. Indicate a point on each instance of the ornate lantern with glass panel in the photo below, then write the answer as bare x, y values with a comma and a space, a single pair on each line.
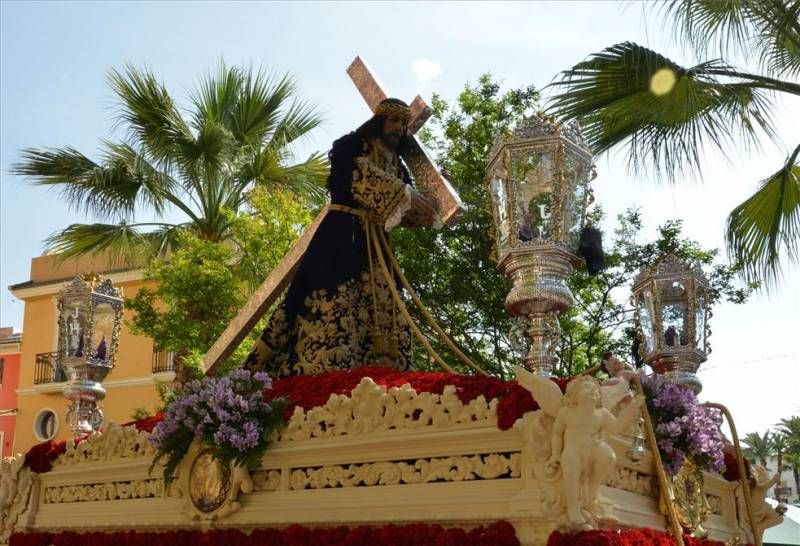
538, 177
90, 317
672, 302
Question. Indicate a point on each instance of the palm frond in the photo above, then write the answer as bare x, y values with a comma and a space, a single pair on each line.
766, 29
108, 190
767, 224
121, 243
261, 103
711, 25
664, 113
267, 168
300, 119
309, 177
777, 39
217, 95
152, 119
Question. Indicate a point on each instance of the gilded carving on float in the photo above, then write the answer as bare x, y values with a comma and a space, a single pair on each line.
209, 489
121, 490
691, 503
445, 469
630, 480
373, 408
115, 443
209, 482
15, 489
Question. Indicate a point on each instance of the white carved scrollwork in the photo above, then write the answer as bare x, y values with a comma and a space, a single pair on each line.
373, 408
15, 489
122, 490
448, 469
115, 443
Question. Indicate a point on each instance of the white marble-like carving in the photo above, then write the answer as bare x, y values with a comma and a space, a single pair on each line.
568, 436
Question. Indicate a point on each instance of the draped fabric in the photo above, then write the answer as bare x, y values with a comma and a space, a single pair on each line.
327, 319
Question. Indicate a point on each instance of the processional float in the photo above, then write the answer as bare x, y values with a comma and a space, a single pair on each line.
381, 455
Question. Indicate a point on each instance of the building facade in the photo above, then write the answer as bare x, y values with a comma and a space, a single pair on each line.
10, 344
41, 406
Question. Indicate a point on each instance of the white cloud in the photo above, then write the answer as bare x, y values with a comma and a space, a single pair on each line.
425, 70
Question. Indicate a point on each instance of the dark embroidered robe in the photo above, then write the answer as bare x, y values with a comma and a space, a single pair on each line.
327, 319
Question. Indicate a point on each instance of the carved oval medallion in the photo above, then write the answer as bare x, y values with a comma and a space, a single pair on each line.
209, 482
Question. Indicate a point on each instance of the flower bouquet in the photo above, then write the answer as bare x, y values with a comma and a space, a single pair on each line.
229, 414
684, 428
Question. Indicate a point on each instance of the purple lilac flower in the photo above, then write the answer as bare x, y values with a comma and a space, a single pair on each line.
684, 427
226, 411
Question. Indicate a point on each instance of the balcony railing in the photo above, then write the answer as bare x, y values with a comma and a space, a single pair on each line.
48, 370
163, 361
783, 493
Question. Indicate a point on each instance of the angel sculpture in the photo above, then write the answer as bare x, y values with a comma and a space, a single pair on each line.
615, 389
577, 443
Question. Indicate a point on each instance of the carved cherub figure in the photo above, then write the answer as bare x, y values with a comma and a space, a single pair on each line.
577, 444
764, 514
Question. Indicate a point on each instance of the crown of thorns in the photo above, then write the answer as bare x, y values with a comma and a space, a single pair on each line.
391, 109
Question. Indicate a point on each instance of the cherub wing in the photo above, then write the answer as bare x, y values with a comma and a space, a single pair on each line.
612, 394
545, 392
629, 414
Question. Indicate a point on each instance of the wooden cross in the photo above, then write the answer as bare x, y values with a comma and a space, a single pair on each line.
448, 204
425, 173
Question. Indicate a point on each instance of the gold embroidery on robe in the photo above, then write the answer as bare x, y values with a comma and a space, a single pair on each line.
376, 190
335, 331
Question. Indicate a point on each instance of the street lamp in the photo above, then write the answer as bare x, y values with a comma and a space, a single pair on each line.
672, 302
89, 321
538, 177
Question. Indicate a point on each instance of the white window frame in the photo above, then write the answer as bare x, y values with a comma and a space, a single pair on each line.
36, 424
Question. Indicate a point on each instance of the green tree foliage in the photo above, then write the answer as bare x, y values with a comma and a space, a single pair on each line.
238, 134
666, 115
789, 428
759, 447
202, 285
452, 270
457, 279
600, 320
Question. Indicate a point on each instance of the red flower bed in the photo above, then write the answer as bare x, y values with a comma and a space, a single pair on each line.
308, 391
147, 424
498, 534
40, 457
628, 537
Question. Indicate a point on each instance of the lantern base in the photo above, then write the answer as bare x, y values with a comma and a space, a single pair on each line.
539, 292
680, 368
545, 334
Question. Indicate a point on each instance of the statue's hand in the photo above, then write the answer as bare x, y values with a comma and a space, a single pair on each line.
422, 212
553, 463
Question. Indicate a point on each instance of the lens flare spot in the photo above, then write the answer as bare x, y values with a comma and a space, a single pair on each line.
662, 81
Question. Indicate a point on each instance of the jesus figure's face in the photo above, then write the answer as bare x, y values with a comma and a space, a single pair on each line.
393, 129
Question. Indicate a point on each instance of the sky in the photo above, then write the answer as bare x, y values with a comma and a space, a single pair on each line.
55, 57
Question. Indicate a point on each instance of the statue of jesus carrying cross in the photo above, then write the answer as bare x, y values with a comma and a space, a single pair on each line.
339, 311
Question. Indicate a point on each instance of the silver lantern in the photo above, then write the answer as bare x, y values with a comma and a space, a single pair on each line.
672, 301
538, 178
89, 322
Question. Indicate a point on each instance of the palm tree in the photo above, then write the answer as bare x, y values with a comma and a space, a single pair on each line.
789, 428
666, 114
778, 447
239, 133
758, 447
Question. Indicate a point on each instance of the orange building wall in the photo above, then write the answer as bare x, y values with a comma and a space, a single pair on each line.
129, 386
